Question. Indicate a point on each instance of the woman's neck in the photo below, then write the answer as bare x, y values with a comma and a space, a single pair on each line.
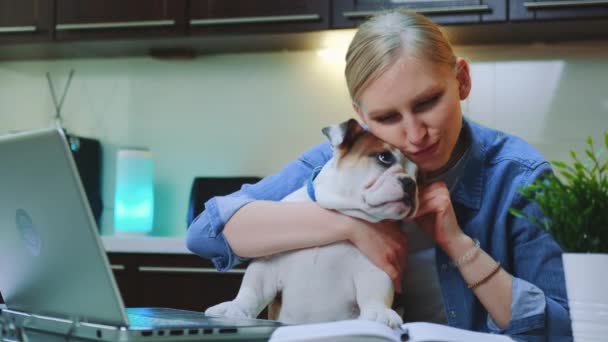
462, 145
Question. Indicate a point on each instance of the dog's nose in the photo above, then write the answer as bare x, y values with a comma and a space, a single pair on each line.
408, 185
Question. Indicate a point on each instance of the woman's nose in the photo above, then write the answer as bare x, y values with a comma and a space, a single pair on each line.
415, 132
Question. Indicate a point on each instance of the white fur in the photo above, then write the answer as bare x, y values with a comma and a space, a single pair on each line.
313, 288
336, 281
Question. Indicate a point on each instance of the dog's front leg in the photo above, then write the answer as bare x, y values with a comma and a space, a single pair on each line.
375, 295
258, 289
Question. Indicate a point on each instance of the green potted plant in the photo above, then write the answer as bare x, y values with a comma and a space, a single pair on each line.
575, 203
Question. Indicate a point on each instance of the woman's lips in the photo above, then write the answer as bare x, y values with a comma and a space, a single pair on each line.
425, 153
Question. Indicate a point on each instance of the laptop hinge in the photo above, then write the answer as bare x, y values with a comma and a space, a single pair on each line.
17, 321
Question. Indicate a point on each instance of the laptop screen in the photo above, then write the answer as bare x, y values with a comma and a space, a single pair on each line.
51, 258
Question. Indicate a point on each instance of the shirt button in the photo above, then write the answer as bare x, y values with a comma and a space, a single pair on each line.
452, 313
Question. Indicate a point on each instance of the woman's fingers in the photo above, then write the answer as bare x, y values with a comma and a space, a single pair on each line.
436, 214
394, 274
432, 191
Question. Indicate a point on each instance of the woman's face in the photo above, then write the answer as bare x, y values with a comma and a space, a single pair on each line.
415, 106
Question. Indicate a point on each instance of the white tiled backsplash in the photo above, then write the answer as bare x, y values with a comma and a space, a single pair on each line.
249, 114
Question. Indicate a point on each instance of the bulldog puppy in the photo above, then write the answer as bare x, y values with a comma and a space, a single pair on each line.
366, 178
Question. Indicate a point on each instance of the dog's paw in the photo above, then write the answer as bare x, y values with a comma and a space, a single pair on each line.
382, 315
228, 309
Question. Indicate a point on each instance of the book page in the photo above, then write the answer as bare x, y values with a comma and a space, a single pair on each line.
347, 330
363, 330
422, 332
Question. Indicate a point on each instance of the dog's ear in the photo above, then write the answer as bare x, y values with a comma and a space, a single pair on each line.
343, 134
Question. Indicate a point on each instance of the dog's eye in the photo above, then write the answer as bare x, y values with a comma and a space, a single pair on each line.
386, 158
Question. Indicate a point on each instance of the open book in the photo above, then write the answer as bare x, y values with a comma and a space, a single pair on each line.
363, 330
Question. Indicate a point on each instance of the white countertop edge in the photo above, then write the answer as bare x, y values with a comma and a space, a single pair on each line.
145, 244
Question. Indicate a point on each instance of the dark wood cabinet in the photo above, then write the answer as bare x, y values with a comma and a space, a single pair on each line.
184, 28
180, 281
26, 21
247, 16
351, 13
560, 9
119, 19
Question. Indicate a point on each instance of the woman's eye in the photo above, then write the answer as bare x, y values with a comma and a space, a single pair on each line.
426, 104
387, 118
386, 158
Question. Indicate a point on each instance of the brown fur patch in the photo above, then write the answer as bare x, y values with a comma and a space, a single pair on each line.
361, 145
274, 308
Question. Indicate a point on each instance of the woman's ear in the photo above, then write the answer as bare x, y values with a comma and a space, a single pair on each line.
464, 78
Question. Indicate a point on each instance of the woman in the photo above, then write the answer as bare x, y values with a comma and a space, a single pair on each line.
465, 261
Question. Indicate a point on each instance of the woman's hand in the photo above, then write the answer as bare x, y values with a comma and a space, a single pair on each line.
436, 215
384, 244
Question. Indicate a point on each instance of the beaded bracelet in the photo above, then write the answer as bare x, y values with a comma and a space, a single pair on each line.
486, 278
468, 256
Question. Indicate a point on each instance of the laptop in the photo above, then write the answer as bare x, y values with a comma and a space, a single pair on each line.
54, 273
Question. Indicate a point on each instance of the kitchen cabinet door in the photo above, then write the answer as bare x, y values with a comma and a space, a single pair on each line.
94, 19
557, 9
25, 21
350, 13
256, 16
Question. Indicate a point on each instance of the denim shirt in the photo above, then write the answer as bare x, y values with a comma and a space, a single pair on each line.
496, 165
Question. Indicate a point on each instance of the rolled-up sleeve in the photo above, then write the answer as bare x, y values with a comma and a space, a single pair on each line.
205, 234
527, 308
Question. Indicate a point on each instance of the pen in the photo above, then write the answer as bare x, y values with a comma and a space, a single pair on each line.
405, 336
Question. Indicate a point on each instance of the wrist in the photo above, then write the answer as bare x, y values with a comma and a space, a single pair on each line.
343, 225
458, 246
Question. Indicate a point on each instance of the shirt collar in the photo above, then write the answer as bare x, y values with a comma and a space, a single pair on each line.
465, 178
469, 188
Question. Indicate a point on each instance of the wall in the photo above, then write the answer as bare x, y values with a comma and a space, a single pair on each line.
248, 114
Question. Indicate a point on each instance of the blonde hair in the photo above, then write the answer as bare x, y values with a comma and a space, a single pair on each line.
382, 39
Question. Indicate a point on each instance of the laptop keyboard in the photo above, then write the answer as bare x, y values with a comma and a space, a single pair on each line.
164, 317
137, 320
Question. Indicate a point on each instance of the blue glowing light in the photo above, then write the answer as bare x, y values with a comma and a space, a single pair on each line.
134, 194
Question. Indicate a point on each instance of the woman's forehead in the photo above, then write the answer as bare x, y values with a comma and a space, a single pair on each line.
406, 80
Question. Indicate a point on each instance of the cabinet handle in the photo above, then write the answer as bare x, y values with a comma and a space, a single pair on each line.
117, 267
561, 4
125, 24
187, 270
256, 20
17, 29
424, 10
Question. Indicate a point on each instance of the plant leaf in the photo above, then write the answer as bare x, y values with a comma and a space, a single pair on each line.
575, 204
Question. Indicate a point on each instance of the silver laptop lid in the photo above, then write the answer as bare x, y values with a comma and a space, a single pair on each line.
51, 258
